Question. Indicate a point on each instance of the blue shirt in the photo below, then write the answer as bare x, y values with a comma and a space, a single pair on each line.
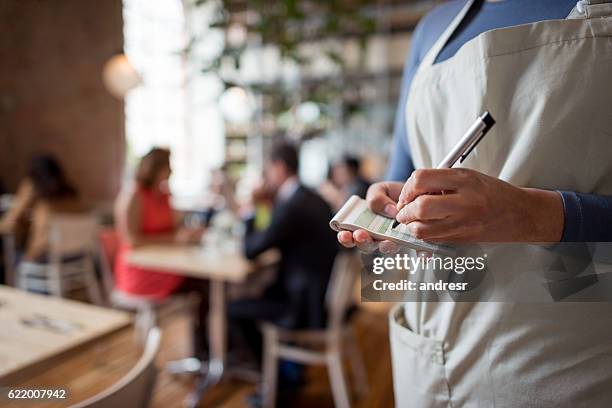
588, 217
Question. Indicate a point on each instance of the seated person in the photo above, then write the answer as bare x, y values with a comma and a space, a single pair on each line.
331, 192
344, 180
347, 173
143, 215
221, 195
45, 191
299, 228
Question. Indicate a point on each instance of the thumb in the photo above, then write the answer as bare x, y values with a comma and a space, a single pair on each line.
383, 204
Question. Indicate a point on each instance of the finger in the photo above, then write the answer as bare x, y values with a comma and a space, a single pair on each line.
424, 254
368, 248
388, 247
430, 207
382, 198
362, 237
427, 181
346, 239
364, 241
446, 230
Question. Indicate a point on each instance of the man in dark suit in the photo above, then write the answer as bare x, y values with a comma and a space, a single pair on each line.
299, 228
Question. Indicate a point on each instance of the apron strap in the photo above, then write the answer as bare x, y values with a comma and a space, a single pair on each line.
432, 54
583, 9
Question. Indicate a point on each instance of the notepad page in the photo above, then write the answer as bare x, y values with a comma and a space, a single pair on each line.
361, 216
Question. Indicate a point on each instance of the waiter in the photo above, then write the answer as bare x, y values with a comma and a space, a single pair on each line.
544, 174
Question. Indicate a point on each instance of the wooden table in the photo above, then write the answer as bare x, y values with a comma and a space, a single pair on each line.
27, 346
219, 265
223, 264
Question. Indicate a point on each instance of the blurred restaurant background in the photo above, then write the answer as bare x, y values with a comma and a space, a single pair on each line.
95, 98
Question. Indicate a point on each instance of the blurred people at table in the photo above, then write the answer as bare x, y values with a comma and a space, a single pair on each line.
221, 195
344, 180
44, 192
299, 229
348, 175
143, 216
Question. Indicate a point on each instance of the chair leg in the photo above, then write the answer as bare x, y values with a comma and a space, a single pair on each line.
337, 380
20, 280
356, 363
145, 320
54, 281
8, 245
139, 326
93, 286
270, 367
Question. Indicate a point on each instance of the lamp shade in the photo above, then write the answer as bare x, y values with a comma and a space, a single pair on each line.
237, 105
119, 76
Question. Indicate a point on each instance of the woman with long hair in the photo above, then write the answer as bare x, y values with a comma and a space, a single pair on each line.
144, 216
44, 192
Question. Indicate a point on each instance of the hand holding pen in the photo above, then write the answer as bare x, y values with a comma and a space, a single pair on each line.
462, 149
481, 208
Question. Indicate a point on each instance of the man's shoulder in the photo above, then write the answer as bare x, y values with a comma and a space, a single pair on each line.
305, 196
306, 191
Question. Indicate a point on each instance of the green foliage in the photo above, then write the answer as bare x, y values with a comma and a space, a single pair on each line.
289, 23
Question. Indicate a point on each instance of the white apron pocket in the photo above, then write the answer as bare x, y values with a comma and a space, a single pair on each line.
419, 376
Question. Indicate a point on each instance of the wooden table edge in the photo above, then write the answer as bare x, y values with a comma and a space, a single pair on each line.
24, 372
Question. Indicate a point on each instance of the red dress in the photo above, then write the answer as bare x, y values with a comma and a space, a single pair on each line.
157, 218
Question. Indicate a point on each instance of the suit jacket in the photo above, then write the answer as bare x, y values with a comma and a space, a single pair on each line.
299, 228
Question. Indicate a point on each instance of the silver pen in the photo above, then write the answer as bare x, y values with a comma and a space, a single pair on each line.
466, 144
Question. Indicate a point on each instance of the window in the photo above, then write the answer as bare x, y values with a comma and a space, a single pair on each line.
176, 106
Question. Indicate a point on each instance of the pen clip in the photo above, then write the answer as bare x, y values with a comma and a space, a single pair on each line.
465, 155
488, 121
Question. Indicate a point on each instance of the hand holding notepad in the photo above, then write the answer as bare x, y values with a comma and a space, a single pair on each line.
355, 215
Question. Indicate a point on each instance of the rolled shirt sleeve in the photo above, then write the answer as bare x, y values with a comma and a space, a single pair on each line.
588, 217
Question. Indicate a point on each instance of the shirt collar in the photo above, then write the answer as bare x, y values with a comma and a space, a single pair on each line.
288, 188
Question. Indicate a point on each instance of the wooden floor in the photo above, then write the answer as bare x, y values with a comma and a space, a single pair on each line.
87, 372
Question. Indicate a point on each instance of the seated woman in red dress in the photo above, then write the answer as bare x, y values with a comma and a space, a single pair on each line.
143, 215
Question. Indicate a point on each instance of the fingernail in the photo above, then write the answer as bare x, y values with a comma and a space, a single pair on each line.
362, 240
400, 216
390, 210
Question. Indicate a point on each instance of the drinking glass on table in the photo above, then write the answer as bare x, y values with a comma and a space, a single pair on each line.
192, 229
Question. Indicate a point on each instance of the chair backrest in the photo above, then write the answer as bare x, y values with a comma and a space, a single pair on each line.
136, 387
72, 233
340, 288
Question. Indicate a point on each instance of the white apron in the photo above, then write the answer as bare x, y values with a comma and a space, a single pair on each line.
549, 86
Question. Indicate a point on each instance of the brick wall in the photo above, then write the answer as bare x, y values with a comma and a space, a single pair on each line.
51, 94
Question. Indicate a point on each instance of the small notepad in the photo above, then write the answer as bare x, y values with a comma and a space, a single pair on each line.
355, 215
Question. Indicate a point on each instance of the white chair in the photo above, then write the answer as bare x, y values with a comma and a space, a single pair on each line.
70, 265
145, 308
136, 387
325, 346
